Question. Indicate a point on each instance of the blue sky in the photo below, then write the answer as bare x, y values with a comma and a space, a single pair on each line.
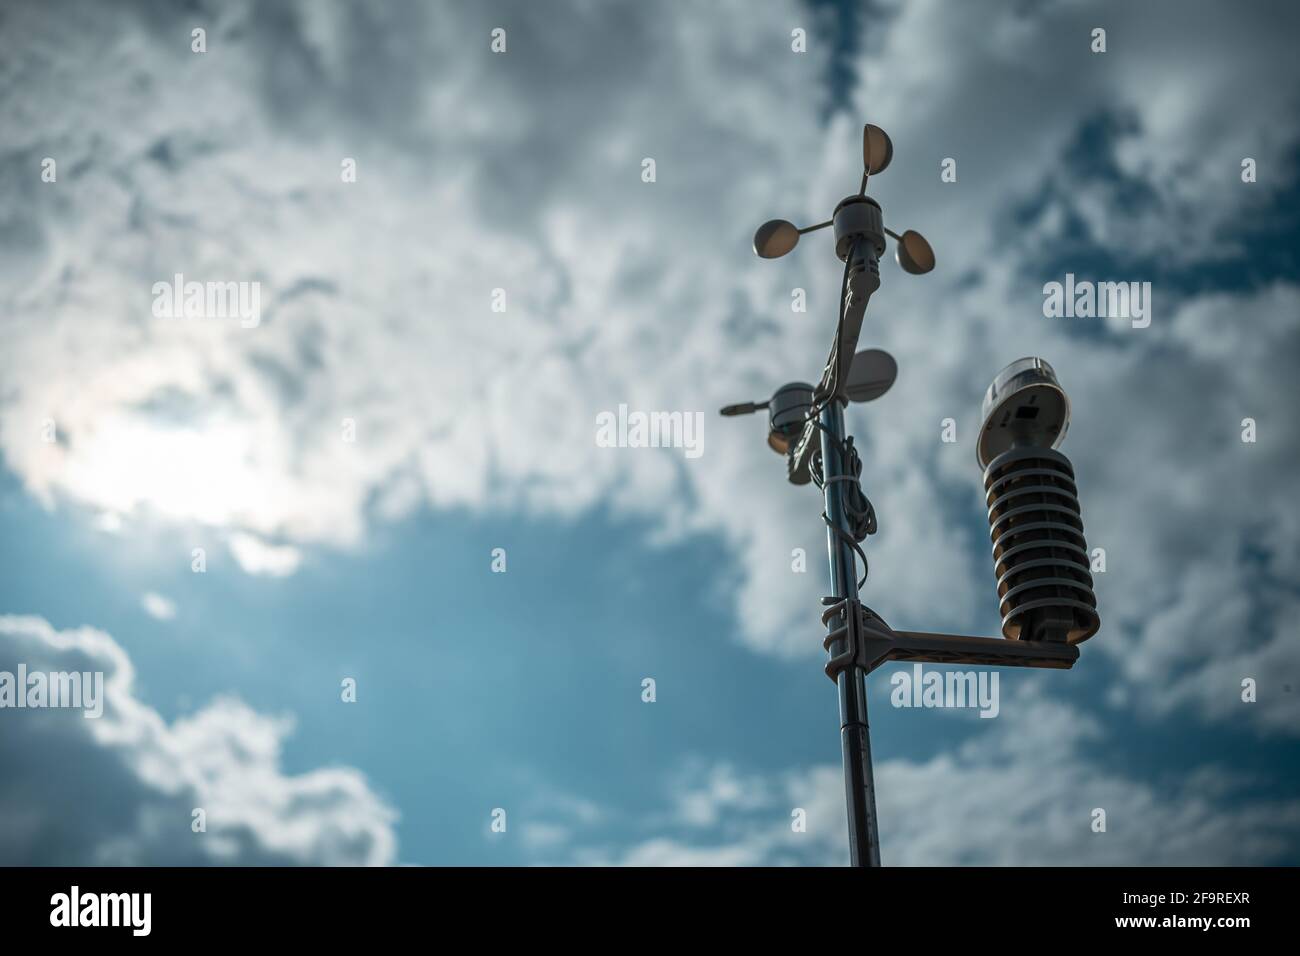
522, 690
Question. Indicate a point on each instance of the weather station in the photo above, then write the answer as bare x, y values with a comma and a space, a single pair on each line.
1044, 583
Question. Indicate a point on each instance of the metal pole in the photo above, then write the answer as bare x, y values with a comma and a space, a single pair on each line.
855, 741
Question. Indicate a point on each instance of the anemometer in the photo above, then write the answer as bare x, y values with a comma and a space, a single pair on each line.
1041, 562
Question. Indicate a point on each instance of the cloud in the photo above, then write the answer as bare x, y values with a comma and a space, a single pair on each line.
1026, 794
1023, 790
257, 557
158, 607
121, 789
521, 172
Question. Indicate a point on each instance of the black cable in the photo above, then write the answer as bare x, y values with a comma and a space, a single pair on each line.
859, 511
830, 372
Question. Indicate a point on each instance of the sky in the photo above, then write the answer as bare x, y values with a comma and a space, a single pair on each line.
366, 588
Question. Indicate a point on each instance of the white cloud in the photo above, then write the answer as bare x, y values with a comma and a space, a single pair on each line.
147, 776
158, 607
1021, 791
109, 522
258, 557
544, 836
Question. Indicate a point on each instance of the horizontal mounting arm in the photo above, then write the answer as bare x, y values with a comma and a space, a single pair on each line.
989, 651
869, 642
